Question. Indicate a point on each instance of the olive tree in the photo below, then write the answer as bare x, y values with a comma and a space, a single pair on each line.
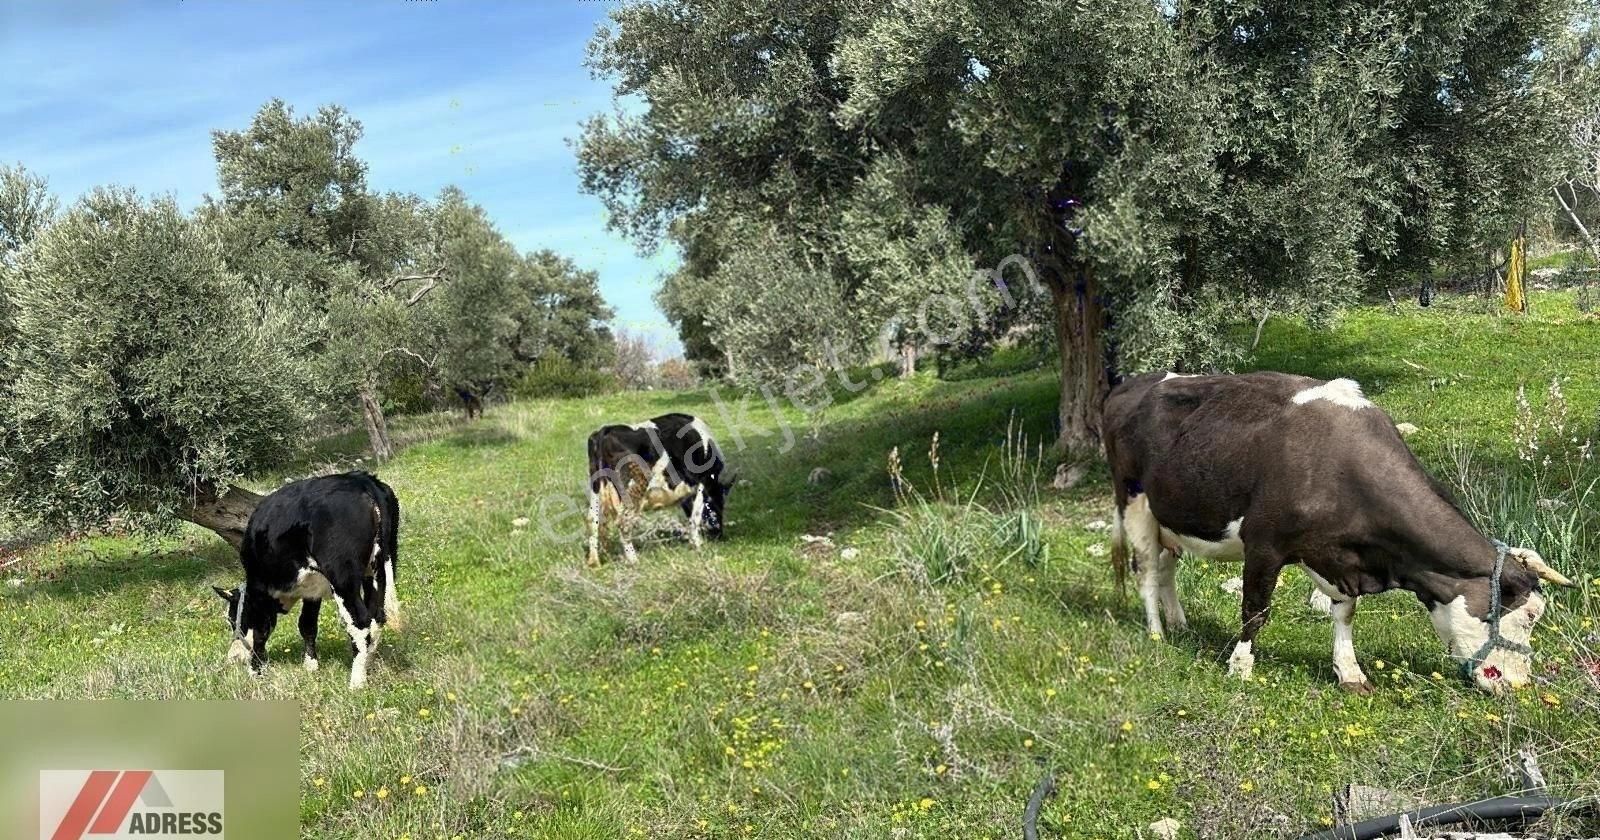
1167, 169
137, 384
298, 220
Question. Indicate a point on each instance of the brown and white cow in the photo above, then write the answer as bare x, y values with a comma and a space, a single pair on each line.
1276, 469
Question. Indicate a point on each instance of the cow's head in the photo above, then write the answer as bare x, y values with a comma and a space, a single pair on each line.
252, 617
1467, 629
718, 489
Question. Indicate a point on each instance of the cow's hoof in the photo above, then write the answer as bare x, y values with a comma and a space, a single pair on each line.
311, 664
1362, 688
1242, 663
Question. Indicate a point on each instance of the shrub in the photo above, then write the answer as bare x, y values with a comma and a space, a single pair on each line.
677, 375
558, 377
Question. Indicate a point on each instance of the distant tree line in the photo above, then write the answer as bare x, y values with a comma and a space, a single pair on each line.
150, 358
1171, 169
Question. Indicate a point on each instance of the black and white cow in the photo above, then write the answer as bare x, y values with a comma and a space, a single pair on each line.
666, 460
1278, 469
332, 536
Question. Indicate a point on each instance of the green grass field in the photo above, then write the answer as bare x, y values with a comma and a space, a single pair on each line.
770, 687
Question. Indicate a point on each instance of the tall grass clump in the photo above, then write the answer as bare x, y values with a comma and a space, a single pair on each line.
1546, 497
949, 536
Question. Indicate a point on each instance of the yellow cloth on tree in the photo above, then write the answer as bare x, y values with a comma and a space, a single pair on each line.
1515, 297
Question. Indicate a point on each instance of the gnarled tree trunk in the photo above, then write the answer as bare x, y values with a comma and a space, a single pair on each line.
377, 426
225, 514
1080, 340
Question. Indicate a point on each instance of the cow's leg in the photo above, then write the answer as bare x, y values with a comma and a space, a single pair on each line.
372, 596
1351, 677
357, 622
309, 611
594, 527
627, 516
697, 513
1143, 536
1150, 592
1167, 565
258, 651
1261, 569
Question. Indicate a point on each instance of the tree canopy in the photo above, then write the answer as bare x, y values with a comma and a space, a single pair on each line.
149, 359
1164, 167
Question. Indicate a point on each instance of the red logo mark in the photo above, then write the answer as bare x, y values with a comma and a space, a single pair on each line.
109, 793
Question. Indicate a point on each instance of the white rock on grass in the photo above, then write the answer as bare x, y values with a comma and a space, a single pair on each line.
850, 553
1406, 429
1233, 585
850, 620
1166, 829
520, 522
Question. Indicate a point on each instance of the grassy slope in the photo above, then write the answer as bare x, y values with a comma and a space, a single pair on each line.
761, 690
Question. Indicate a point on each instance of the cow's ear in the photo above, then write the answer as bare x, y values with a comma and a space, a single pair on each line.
1534, 563
225, 594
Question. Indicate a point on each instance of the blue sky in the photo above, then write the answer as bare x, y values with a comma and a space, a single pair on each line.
476, 93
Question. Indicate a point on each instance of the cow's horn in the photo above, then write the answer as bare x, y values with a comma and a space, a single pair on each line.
1536, 564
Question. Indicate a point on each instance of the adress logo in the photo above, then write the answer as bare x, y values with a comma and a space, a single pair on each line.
75, 804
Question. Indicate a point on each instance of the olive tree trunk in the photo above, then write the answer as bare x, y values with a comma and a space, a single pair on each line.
377, 426
225, 514
1080, 339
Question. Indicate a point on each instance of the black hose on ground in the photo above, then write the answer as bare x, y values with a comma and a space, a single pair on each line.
1522, 808
1030, 814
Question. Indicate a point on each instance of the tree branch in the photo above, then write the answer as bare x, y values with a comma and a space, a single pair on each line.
429, 364
1572, 212
433, 276
422, 292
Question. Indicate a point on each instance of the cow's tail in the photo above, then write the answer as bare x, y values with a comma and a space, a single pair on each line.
1119, 554
386, 545
389, 545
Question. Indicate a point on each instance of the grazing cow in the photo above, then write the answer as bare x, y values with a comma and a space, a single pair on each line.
471, 402
1277, 469
671, 459
332, 536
